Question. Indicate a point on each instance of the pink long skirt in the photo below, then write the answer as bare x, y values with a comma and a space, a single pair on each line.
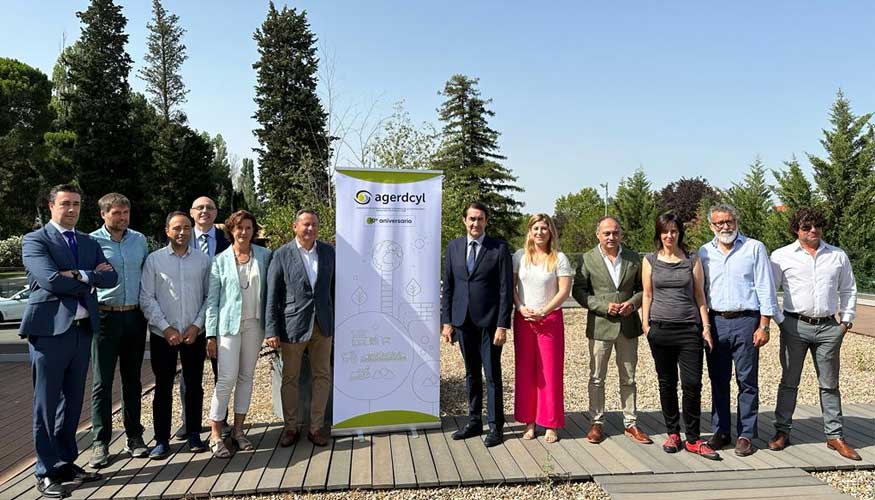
539, 349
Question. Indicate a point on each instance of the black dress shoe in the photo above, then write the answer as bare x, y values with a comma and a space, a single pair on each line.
72, 472
469, 430
50, 487
719, 441
181, 434
492, 439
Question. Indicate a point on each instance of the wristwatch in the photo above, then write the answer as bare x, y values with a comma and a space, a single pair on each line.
76, 275
848, 325
766, 329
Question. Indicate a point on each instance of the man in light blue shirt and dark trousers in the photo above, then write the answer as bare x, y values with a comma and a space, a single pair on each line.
122, 335
742, 302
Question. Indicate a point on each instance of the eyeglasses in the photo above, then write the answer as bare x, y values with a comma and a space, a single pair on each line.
723, 223
809, 227
203, 208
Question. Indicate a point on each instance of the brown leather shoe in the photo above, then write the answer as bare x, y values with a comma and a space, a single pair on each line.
841, 446
289, 437
780, 441
638, 435
743, 447
595, 435
719, 441
317, 438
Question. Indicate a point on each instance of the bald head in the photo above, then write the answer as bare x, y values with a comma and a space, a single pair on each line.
203, 211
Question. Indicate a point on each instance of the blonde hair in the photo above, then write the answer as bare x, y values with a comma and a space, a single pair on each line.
553, 250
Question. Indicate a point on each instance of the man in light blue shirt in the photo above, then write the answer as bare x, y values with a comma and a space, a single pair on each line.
742, 301
122, 335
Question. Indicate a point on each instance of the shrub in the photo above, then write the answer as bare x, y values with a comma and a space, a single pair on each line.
10, 252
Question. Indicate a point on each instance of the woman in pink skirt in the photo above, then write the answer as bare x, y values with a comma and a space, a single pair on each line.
542, 282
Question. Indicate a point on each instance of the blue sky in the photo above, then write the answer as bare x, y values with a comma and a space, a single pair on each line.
584, 92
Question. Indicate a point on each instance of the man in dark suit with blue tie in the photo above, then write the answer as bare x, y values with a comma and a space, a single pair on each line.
476, 308
64, 268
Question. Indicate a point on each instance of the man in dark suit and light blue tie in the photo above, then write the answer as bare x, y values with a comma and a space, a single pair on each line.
64, 268
476, 308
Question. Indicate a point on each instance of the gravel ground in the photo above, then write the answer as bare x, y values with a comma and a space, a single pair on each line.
857, 383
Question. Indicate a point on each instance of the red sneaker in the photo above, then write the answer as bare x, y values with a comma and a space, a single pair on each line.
701, 448
672, 444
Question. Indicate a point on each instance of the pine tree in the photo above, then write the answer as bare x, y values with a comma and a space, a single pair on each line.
164, 57
220, 174
469, 156
793, 188
753, 200
100, 107
850, 155
292, 133
635, 205
247, 186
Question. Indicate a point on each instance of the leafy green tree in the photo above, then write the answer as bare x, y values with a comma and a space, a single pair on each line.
247, 186
684, 197
635, 205
220, 173
164, 58
403, 144
292, 133
850, 149
469, 156
25, 116
576, 215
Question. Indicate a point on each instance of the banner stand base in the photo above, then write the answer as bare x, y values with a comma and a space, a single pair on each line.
380, 429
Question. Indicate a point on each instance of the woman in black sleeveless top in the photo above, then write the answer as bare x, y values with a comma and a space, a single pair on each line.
675, 320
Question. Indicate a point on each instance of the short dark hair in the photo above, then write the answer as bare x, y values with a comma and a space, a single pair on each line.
606, 217
806, 215
236, 219
301, 212
476, 205
107, 201
662, 223
63, 188
174, 214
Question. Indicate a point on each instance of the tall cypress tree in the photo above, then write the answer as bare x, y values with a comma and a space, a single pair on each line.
247, 185
635, 205
469, 156
100, 106
292, 133
164, 58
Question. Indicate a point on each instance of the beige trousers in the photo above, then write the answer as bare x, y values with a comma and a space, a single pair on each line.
627, 360
319, 348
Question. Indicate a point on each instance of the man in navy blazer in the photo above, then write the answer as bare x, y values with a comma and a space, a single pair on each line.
64, 268
476, 308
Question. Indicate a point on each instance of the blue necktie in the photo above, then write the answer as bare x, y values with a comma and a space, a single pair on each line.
74, 247
472, 256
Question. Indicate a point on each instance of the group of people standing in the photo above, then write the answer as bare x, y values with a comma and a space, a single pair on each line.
714, 304
206, 294
221, 296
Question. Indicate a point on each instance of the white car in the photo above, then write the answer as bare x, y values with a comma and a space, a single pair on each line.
12, 308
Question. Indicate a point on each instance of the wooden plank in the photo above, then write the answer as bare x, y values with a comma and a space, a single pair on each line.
275, 470
530, 469
864, 410
317, 470
447, 475
341, 461
707, 483
684, 477
505, 462
117, 462
573, 444
791, 455
381, 462
207, 477
809, 438
294, 476
423, 463
143, 471
164, 478
402, 461
251, 477
657, 460
468, 471
360, 469
810, 423
653, 427
733, 461
547, 466
788, 491
485, 464
613, 458
230, 476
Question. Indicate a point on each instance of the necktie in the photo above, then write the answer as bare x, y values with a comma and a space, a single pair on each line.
472, 256
74, 247
205, 243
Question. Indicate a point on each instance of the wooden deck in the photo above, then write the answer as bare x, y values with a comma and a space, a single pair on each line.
432, 458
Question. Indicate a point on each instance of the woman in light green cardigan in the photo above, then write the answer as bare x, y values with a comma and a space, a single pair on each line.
235, 325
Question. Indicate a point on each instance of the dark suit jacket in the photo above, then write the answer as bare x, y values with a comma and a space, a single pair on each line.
54, 298
594, 289
221, 241
486, 294
290, 298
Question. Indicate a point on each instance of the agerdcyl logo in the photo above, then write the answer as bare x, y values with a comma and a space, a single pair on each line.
363, 197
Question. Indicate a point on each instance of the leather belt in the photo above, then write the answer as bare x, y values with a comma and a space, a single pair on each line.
808, 319
107, 307
81, 323
734, 314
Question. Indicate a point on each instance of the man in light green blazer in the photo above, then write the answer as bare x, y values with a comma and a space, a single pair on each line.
608, 284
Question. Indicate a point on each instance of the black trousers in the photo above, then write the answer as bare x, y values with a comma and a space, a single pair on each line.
678, 345
164, 358
480, 353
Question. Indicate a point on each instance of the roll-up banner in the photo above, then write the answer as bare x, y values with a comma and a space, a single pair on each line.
387, 303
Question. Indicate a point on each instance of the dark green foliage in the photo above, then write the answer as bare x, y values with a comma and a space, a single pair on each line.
684, 196
752, 198
575, 216
222, 188
635, 205
164, 58
470, 159
292, 132
247, 186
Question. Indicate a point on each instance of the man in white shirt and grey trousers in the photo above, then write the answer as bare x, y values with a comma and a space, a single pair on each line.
818, 284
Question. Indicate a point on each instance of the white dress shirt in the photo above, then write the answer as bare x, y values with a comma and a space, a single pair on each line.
479, 246
614, 267
817, 286
311, 265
